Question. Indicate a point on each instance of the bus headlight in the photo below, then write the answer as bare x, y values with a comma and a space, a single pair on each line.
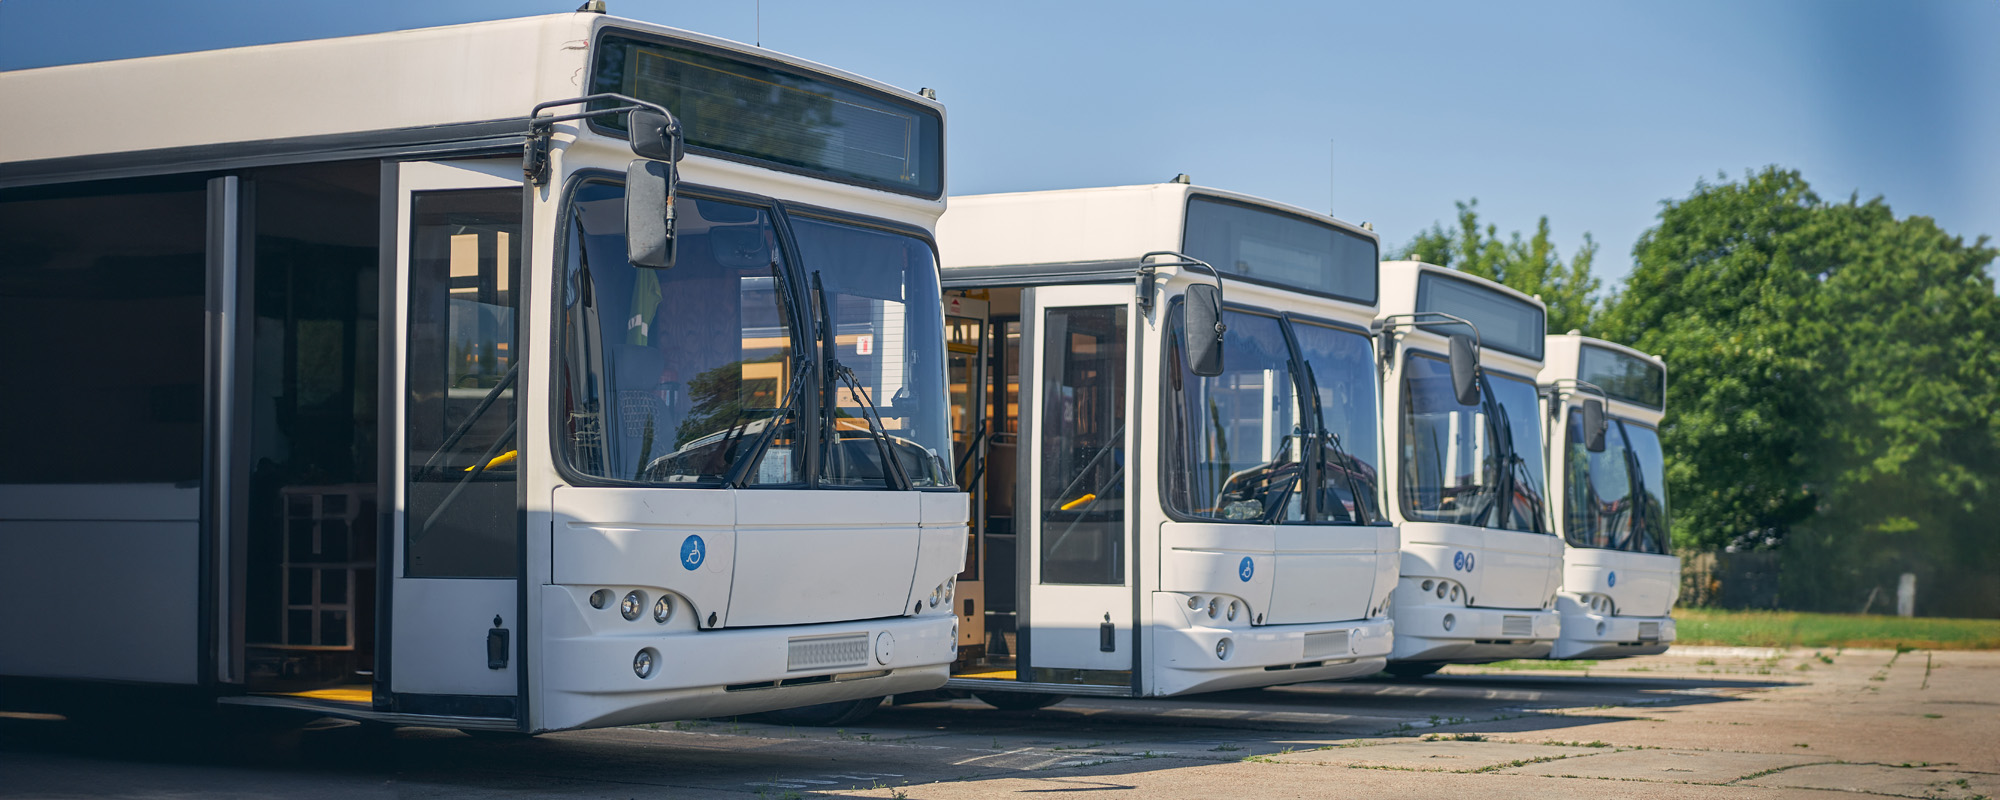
663, 608
1214, 607
1232, 611
937, 595
1194, 602
600, 598
633, 603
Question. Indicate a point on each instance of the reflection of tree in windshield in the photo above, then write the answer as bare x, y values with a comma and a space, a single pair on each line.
722, 399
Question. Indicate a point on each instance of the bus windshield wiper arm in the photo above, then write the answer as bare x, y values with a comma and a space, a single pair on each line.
1339, 453
837, 371
740, 470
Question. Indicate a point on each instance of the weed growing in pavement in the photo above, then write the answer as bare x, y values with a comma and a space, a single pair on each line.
1933, 716
1454, 737
1823, 658
1704, 662
1599, 743
1225, 748
1519, 762
1800, 744
1803, 667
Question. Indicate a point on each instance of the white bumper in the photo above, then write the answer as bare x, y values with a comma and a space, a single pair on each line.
1587, 635
587, 679
1189, 655
1458, 634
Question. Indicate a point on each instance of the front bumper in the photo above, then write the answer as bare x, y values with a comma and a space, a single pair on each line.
1461, 635
587, 677
1190, 656
1586, 635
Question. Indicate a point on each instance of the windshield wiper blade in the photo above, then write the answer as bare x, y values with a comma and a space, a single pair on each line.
1340, 453
837, 371
740, 471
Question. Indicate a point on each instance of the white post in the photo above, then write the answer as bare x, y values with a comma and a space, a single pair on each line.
1906, 595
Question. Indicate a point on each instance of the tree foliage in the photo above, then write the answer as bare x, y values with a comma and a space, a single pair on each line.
1834, 386
1531, 265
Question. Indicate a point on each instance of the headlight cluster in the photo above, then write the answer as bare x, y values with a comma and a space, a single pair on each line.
633, 605
942, 592
1446, 590
1222, 608
1601, 604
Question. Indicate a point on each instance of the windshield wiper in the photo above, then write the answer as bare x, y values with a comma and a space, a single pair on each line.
740, 470
837, 371
1339, 453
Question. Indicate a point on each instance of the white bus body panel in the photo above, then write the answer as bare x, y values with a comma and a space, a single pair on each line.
1315, 585
1642, 587
100, 582
1508, 579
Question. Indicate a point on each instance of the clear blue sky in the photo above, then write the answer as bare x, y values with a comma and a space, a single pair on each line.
1590, 113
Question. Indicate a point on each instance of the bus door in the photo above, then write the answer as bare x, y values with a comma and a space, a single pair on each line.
1078, 424
455, 637
965, 328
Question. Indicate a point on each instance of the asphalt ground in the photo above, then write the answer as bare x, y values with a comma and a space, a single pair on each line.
1695, 722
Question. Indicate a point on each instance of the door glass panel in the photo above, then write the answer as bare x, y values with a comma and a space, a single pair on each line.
1083, 445
464, 268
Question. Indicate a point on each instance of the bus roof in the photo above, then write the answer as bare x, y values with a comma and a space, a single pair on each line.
464, 83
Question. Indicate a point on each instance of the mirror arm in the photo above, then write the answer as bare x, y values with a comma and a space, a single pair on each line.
535, 155
1386, 327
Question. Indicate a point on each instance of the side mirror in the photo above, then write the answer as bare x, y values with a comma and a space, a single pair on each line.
1465, 369
654, 136
649, 213
1204, 330
1594, 425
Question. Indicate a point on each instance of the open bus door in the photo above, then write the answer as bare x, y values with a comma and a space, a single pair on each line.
455, 629
1077, 609
966, 324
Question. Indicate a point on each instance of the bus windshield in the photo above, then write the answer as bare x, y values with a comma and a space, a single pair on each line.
1239, 444
1456, 463
699, 375
1617, 498
1649, 479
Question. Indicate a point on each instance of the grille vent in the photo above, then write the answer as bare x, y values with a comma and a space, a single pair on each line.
824, 652
1515, 627
1330, 643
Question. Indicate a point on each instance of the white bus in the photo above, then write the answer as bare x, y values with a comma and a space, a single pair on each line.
1620, 576
1480, 564
345, 378
1160, 508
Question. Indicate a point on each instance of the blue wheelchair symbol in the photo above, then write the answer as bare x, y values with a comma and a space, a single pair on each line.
1246, 569
693, 552
1614, 579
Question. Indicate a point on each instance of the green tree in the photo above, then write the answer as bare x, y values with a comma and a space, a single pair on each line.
1532, 265
1834, 387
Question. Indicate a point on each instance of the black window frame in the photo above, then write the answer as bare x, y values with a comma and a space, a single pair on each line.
1313, 471
1539, 340
1610, 391
1551, 527
798, 314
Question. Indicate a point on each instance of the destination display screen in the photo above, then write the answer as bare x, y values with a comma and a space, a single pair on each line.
1243, 241
1506, 323
766, 113
1623, 376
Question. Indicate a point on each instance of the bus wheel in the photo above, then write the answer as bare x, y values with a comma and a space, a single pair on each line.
1413, 669
845, 712
1019, 701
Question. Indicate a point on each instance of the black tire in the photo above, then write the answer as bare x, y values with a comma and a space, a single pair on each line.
1019, 701
823, 715
1412, 669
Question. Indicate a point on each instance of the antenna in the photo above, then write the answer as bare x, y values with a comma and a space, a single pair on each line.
760, 23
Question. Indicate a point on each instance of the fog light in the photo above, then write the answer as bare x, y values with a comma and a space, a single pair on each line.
600, 598
663, 608
1214, 607
1428, 585
1223, 647
1600, 629
1449, 621
1232, 611
633, 603
642, 664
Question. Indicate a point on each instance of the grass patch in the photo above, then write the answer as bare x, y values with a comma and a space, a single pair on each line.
1708, 627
